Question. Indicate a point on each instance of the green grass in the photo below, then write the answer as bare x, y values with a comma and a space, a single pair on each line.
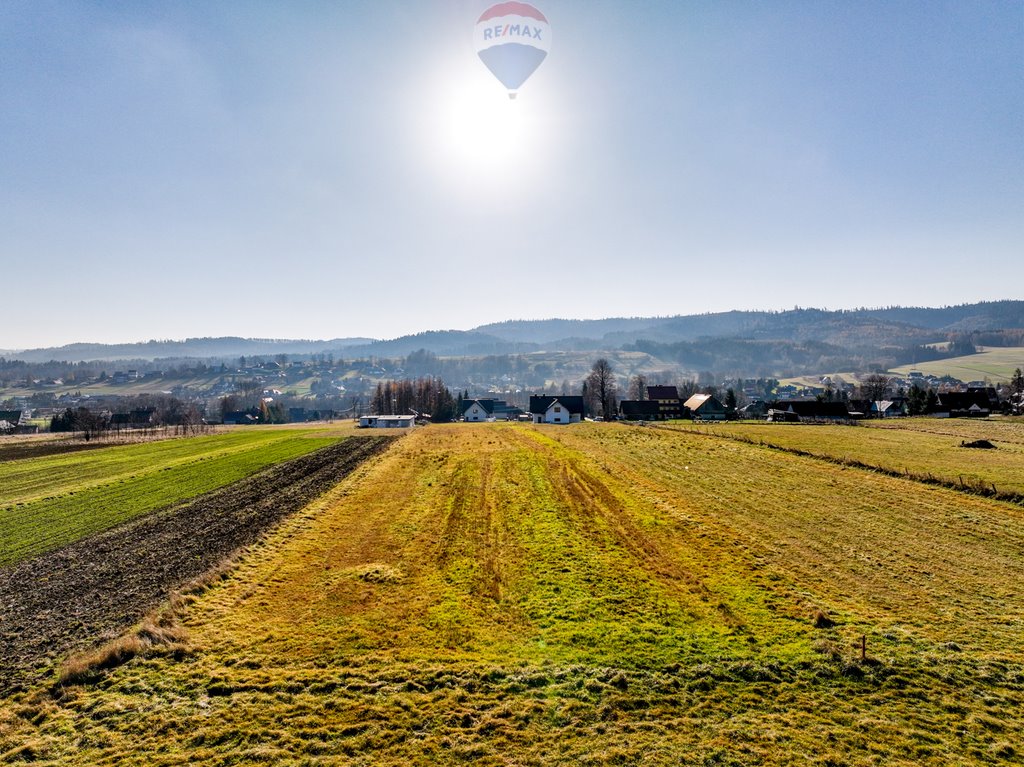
596, 594
107, 387
995, 364
48, 502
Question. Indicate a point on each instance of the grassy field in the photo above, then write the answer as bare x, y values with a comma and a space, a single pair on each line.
49, 501
995, 364
597, 594
922, 447
108, 387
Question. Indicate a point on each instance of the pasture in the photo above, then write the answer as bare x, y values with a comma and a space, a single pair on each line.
596, 594
995, 364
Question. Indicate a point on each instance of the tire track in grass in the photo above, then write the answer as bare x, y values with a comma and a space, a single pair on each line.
633, 571
881, 552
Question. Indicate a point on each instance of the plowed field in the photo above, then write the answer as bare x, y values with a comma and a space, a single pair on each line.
47, 501
99, 585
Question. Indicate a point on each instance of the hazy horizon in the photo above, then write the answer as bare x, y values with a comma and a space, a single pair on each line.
119, 342
255, 170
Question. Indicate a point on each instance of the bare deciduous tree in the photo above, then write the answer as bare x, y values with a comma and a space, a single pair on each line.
602, 387
874, 387
638, 387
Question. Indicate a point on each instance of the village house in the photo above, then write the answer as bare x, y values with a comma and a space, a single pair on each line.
16, 422
754, 410
9, 421
705, 407
667, 397
479, 410
140, 418
561, 409
887, 408
973, 403
241, 417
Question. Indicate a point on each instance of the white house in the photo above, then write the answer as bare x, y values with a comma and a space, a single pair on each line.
566, 409
479, 410
888, 409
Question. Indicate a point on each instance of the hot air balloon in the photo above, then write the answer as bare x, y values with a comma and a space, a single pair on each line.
512, 39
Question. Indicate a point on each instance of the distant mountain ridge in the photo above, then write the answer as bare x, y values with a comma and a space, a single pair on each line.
198, 348
850, 328
794, 324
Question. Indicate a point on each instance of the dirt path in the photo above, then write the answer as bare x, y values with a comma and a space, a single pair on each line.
68, 599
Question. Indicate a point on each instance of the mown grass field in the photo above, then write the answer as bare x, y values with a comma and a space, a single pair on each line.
995, 364
49, 501
108, 387
597, 594
925, 447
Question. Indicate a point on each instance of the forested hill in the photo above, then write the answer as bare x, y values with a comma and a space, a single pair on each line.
845, 329
893, 324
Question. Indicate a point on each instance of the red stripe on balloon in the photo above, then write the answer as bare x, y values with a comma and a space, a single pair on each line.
512, 9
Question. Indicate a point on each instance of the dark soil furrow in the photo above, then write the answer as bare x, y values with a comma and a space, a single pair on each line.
93, 589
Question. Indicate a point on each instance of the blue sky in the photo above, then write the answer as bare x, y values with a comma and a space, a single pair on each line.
318, 170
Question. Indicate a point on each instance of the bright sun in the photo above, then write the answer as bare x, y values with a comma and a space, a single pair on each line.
479, 137
484, 129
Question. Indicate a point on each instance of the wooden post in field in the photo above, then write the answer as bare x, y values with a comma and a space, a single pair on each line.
863, 647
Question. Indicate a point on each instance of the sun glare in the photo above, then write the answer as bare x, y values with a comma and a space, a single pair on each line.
484, 130
481, 138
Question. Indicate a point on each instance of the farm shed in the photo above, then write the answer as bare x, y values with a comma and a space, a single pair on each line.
705, 407
640, 410
547, 409
387, 421
809, 410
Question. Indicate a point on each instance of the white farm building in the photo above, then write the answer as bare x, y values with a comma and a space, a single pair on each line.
387, 421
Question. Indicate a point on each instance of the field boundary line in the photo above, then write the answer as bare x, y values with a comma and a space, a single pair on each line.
975, 487
151, 556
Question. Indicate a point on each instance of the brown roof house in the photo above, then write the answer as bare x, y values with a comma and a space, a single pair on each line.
667, 397
705, 407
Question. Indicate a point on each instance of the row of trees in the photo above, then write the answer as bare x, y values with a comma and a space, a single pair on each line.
426, 396
139, 412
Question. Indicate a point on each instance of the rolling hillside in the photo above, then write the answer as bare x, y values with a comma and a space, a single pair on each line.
993, 364
872, 328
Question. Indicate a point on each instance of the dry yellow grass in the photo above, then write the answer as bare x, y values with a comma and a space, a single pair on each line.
597, 594
927, 448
